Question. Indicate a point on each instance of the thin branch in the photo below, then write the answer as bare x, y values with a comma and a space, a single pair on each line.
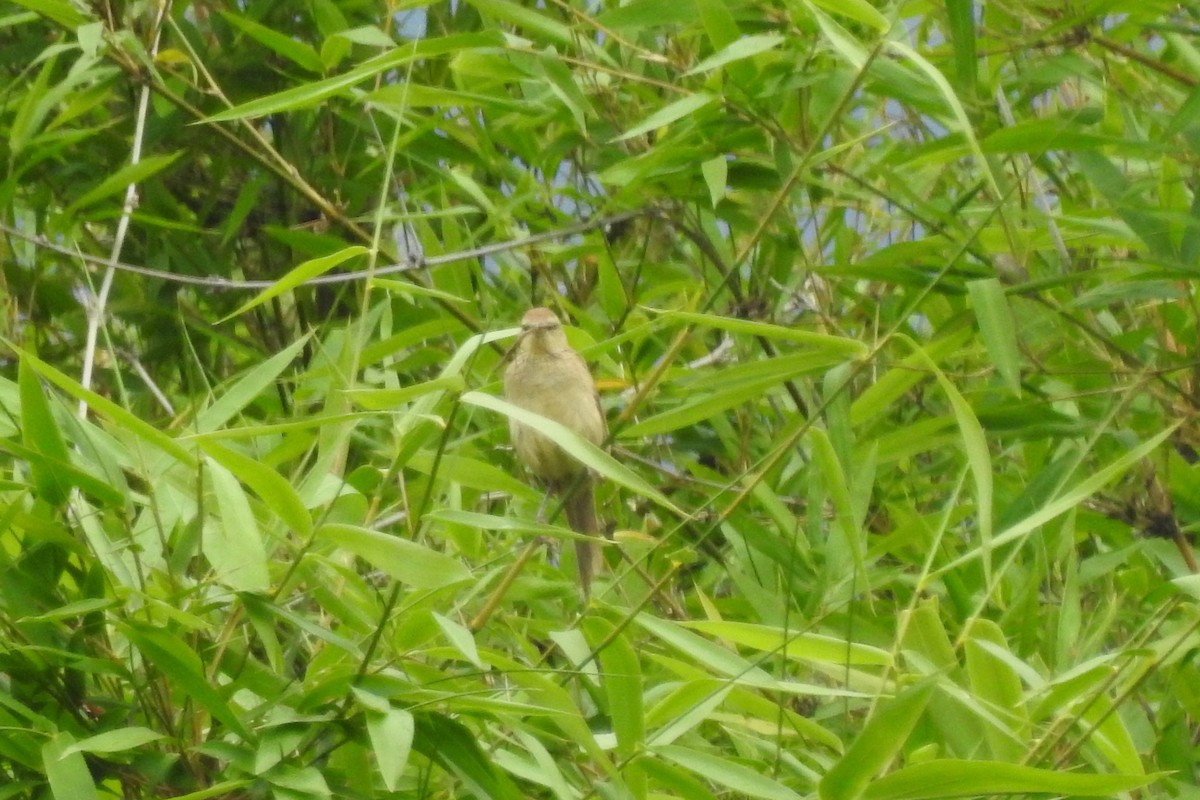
96, 305
334, 277
1146, 61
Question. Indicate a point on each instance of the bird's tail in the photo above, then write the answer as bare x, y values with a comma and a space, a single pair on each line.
581, 516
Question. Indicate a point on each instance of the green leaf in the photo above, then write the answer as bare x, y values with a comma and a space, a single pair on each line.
961, 778
329, 18
180, 663
735, 386
414, 95
294, 50
248, 388
707, 655
962, 37
876, 744
745, 47
837, 485
998, 328
306, 782
716, 176
679, 781
460, 638
623, 685
721, 27
367, 35
125, 420
473, 473
276, 492
1117, 190
1112, 737
91, 38
32, 111
219, 789
412, 290
1041, 135
696, 701
41, 435
333, 51
59, 11
957, 111
1189, 244
391, 733
298, 276
451, 745
998, 688
62, 475
844, 347
642, 14
67, 772
1189, 584
308, 94
114, 741
678, 109
1187, 116
234, 546
73, 610
1070, 499
849, 48
123, 178
738, 778
558, 702
544, 769
978, 456
890, 388
542, 27
393, 399
531, 20
493, 522
562, 83
407, 562
794, 644
857, 10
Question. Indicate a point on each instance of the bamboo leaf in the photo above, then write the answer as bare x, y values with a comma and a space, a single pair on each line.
308, 94
998, 328
407, 562
298, 52
877, 743
960, 778
122, 178
684, 107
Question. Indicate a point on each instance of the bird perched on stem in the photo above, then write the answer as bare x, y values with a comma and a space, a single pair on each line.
546, 376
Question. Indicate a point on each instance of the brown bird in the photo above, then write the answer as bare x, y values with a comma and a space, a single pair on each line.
546, 376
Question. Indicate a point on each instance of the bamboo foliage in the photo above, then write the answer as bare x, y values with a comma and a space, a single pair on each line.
891, 307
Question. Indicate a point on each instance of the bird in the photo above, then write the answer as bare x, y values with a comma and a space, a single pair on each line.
547, 376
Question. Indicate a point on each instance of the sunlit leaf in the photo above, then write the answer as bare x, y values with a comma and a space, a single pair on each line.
684, 107
958, 778
745, 47
66, 770
407, 562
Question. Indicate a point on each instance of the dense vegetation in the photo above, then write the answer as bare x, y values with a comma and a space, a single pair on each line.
891, 304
